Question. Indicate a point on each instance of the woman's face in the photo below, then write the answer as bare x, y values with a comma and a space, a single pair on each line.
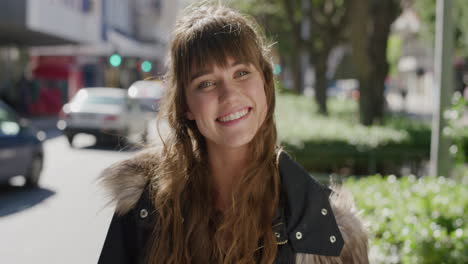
228, 104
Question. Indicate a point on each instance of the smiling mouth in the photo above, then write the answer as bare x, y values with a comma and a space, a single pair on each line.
234, 116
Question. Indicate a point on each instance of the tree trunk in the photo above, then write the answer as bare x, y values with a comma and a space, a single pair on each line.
383, 15
359, 42
320, 87
296, 67
365, 100
378, 87
369, 37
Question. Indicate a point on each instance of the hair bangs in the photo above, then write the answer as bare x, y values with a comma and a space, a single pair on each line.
214, 43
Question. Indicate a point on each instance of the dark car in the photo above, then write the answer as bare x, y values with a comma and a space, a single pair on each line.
21, 150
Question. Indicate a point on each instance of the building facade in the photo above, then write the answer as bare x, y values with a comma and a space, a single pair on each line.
63, 45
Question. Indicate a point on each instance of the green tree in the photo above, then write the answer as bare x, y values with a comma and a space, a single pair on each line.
426, 10
284, 20
283, 30
290, 32
365, 24
369, 30
328, 18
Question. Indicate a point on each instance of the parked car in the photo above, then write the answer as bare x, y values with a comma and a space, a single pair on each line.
107, 113
21, 150
148, 93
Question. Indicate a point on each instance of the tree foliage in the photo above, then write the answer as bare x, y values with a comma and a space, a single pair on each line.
368, 37
426, 10
282, 28
271, 15
286, 21
364, 24
327, 19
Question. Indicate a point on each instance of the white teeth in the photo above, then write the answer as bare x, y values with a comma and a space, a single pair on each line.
234, 116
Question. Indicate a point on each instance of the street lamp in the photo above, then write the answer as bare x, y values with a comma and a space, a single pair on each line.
443, 69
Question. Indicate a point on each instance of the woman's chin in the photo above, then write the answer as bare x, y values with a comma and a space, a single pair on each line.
236, 141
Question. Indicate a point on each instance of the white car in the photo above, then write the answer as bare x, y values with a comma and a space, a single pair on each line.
106, 113
148, 93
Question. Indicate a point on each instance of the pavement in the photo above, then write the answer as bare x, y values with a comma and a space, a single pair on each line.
417, 106
65, 220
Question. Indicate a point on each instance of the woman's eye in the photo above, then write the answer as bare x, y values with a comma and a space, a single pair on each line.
242, 73
205, 84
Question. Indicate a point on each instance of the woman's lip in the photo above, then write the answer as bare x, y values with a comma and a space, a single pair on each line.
232, 112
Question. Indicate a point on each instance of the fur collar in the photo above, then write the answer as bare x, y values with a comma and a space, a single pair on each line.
125, 182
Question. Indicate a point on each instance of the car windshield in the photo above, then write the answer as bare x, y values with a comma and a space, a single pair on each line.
146, 89
104, 100
5, 114
151, 92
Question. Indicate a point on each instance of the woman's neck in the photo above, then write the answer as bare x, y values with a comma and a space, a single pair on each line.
225, 166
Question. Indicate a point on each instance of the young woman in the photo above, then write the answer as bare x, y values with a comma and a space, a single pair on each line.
219, 190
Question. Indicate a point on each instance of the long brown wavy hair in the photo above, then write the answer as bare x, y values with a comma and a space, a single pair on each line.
188, 228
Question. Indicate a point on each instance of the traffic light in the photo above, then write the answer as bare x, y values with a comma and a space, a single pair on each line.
146, 66
115, 60
276, 69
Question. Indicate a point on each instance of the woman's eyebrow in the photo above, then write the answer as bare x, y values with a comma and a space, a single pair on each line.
235, 63
199, 74
205, 71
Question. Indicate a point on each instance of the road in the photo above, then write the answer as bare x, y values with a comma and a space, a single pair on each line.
65, 220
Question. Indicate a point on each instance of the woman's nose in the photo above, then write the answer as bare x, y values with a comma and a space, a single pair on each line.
227, 90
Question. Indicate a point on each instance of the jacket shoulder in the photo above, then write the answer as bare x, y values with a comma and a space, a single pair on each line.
344, 233
125, 181
353, 230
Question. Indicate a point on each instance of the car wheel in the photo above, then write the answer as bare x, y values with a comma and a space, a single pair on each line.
34, 171
144, 135
104, 140
100, 139
122, 139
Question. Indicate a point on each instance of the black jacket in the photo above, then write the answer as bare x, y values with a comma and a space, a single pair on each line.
305, 224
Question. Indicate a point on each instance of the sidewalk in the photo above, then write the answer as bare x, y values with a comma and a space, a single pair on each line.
416, 106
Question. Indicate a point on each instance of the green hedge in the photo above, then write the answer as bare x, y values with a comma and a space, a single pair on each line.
414, 221
339, 142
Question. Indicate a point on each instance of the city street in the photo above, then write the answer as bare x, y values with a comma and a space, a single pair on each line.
65, 220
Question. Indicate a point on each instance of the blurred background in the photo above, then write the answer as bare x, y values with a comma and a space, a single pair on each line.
369, 94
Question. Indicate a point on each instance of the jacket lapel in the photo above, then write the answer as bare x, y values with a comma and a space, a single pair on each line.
305, 218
